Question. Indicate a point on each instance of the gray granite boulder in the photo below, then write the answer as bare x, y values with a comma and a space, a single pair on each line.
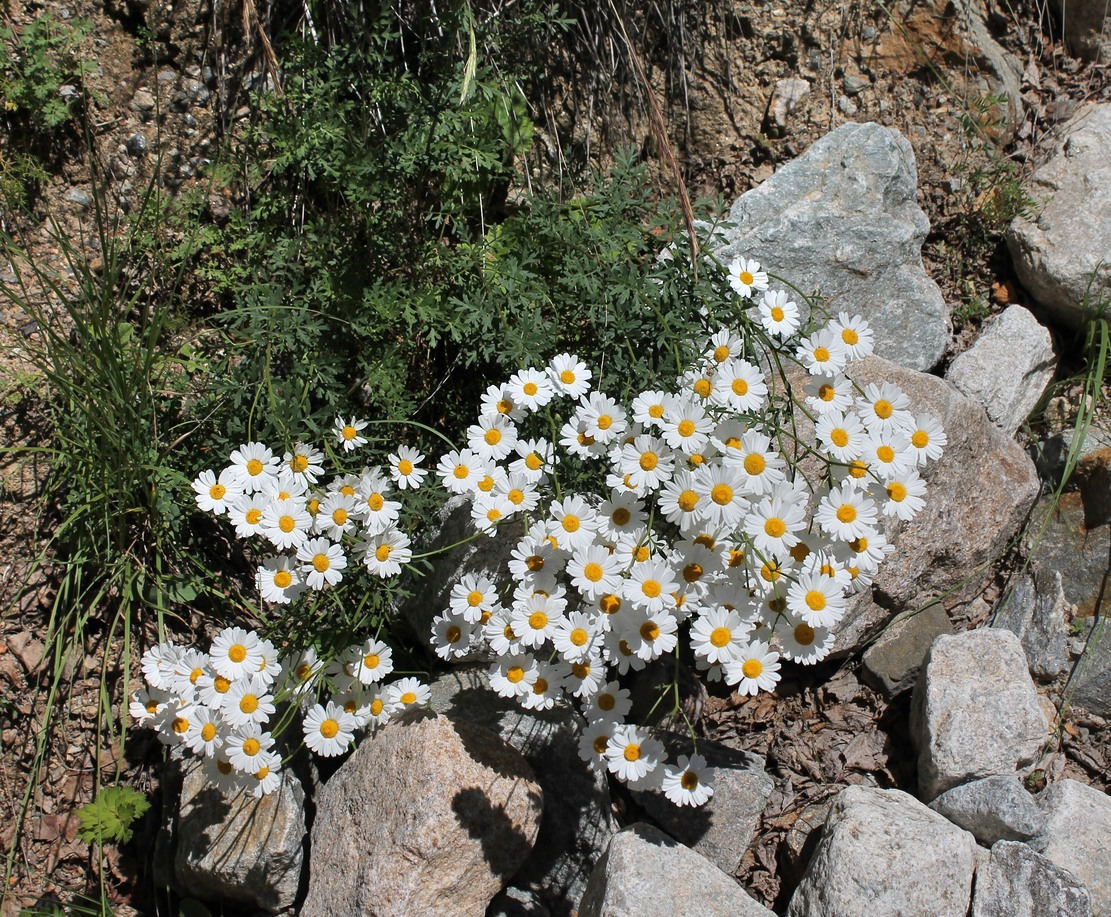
577, 823
238, 846
1017, 882
1034, 610
1063, 256
843, 219
892, 662
975, 711
1077, 837
644, 873
884, 853
722, 829
1009, 367
992, 809
428, 816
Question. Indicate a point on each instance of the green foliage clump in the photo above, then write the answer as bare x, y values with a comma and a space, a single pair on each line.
109, 819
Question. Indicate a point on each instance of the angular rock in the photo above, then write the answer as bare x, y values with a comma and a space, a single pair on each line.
1009, 367
722, 829
577, 823
788, 93
1086, 25
884, 853
428, 816
1017, 882
1035, 612
891, 664
240, 847
1090, 685
487, 555
1077, 836
1063, 257
517, 902
644, 873
843, 219
975, 711
993, 809
980, 492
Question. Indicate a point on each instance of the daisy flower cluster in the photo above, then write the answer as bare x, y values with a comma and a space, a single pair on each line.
314, 529
219, 705
706, 542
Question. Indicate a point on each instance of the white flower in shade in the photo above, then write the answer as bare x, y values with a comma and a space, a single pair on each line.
212, 689
322, 562
306, 461
370, 662
739, 386
801, 642
650, 634
329, 731
158, 663
816, 599
374, 507
512, 675
746, 277
755, 669
499, 634
620, 515
574, 438
206, 731
286, 523
855, 334
405, 470
905, 495
649, 408
377, 711
927, 438
286, 485
252, 464
406, 694
545, 690
582, 679
611, 702
278, 580
147, 703
699, 384
384, 553
779, 314
631, 754
247, 701
302, 671
219, 773
689, 782
268, 777
594, 741
244, 745
492, 438
530, 388
348, 433
461, 470
846, 513
236, 653
569, 375
823, 354
217, 495
173, 721
829, 393
719, 635
534, 458
451, 636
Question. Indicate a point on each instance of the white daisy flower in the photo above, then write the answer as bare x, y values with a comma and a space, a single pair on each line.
247, 701
689, 782
631, 754
217, 495
252, 464
329, 731
855, 333
236, 653
305, 461
348, 433
779, 314
569, 375
406, 694
322, 563
405, 470
530, 388
384, 553
755, 669
747, 277
245, 745
278, 580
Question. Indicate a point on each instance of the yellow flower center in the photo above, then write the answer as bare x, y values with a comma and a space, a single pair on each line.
777, 314
804, 634
897, 491
287, 524
533, 462
237, 652
408, 698
753, 668
221, 685
703, 387
217, 491
283, 579
815, 600
405, 467
610, 604
826, 392
339, 516
208, 732
821, 355
720, 636
349, 432
722, 494
248, 703
567, 377
299, 463
321, 563
839, 438
859, 544
461, 471
579, 637
649, 460
593, 572
920, 439
755, 463
251, 746
529, 388
262, 773
656, 411
740, 387
180, 725
492, 436
224, 767
849, 336
687, 501
376, 501
692, 572
651, 588
376, 707
534, 562
604, 422
516, 496
514, 674
253, 516
689, 780
254, 468
538, 620
348, 490
329, 729
686, 427
857, 469
571, 523
775, 527
770, 572
505, 406
632, 752
846, 512
883, 409
649, 630
746, 278
382, 553
579, 669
